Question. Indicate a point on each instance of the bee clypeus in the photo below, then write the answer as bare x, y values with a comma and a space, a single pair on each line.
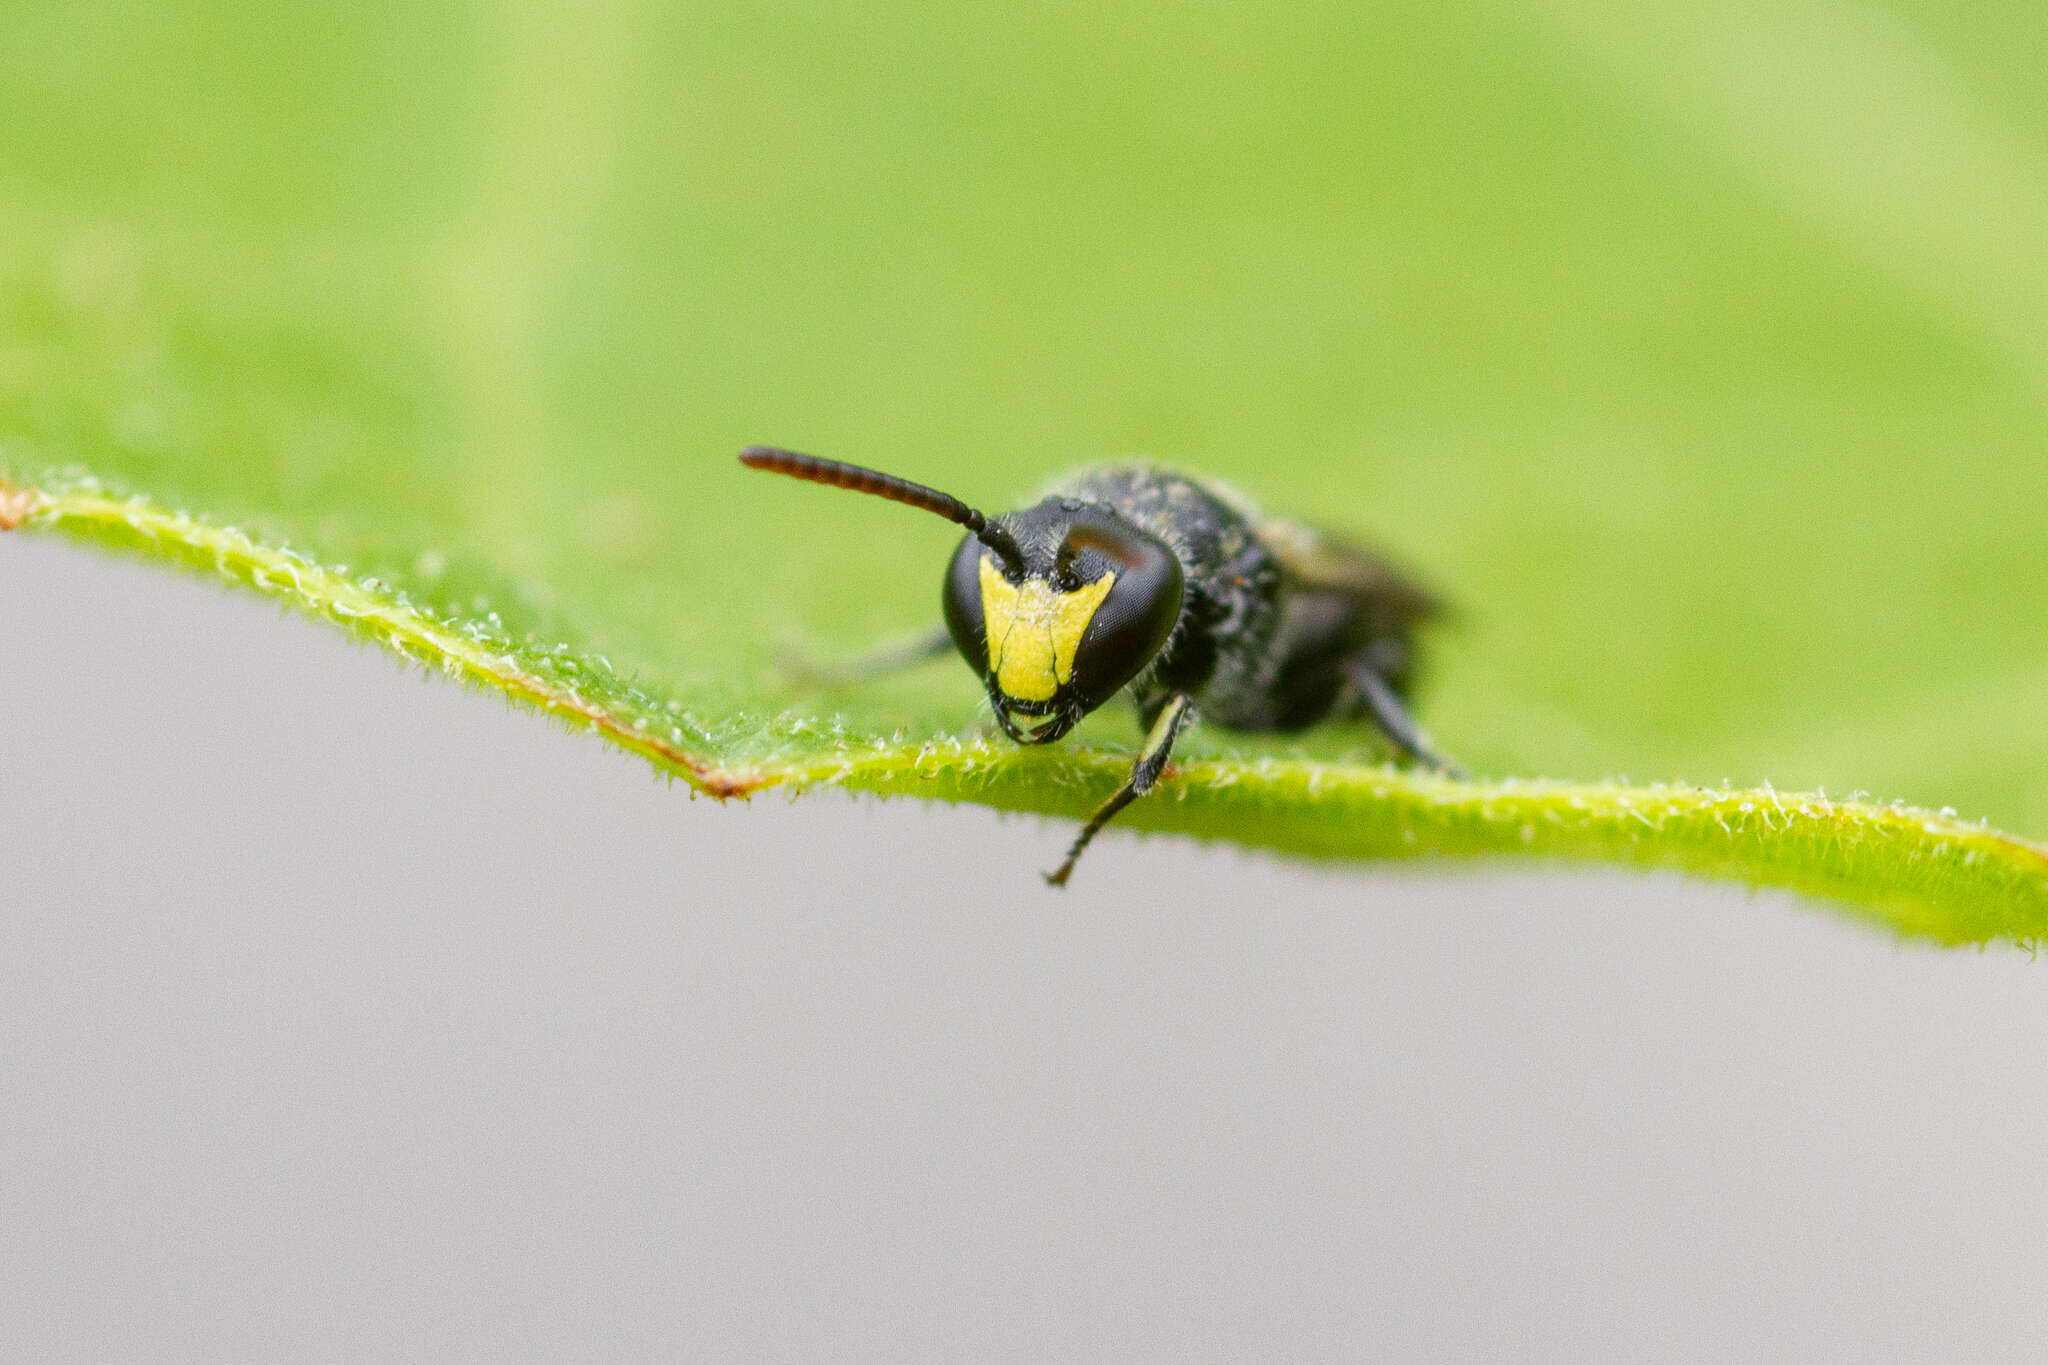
1135, 577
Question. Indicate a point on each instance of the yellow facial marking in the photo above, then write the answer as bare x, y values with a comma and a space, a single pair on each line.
1034, 629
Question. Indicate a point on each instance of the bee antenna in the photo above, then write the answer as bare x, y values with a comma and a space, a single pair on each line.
841, 475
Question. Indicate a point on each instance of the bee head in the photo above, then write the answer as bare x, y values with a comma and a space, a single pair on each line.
1088, 600
1056, 606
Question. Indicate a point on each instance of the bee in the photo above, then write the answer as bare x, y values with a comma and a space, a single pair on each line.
1135, 578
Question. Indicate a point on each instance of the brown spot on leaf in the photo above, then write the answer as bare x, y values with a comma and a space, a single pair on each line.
17, 505
724, 785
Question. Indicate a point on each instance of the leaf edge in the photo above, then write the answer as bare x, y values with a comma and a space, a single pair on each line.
1923, 874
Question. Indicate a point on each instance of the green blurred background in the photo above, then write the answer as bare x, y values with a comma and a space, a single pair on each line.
1698, 352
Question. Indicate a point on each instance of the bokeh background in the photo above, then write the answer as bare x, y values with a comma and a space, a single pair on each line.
346, 1015
1697, 351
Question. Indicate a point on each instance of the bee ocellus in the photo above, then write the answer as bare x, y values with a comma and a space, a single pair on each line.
1134, 578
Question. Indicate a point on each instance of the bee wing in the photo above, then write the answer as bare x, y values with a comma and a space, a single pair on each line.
1389, 600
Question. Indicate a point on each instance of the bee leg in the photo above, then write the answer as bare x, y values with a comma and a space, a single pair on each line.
1144, 772
1390, 713
878, 662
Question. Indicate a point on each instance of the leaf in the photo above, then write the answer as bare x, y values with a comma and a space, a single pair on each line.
1698, 362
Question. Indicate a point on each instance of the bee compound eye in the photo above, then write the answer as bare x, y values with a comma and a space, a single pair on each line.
1137, 617
960, 603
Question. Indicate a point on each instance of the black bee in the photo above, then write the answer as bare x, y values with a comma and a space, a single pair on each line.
1130, 576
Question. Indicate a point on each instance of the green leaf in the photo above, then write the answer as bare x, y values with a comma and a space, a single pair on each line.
1697, 356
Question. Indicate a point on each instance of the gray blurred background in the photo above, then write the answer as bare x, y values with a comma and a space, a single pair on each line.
346, 1014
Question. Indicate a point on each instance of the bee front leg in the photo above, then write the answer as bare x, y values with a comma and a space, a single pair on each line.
1144, 772
876, 663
